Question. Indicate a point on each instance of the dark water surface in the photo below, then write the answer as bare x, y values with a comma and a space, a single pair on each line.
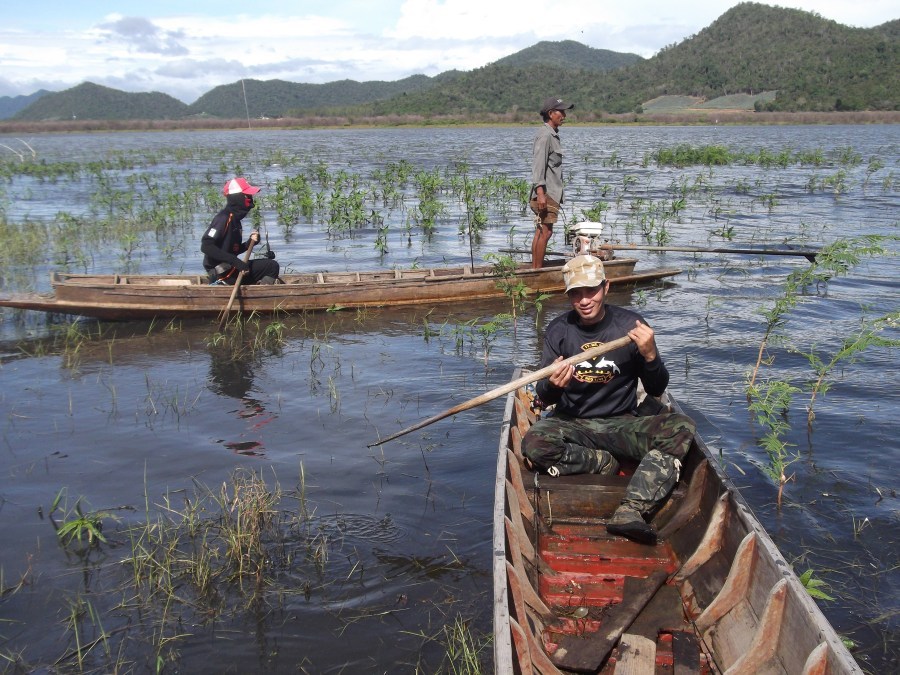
396, 544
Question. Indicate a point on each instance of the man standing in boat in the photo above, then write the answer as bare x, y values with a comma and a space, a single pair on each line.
223, 241
597, 422
547, 176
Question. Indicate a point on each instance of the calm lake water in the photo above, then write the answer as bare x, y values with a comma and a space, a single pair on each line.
395, 545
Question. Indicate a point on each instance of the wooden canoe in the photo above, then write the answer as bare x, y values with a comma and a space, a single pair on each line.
713, 596
115, 296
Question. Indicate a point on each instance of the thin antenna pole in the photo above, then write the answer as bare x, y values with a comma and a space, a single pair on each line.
246, 107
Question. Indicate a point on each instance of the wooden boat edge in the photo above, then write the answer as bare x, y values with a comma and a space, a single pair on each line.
107, 297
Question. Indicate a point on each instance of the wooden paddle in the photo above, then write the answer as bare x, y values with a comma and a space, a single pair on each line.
511, 386
237, 284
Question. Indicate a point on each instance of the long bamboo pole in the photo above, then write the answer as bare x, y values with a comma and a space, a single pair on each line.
591, 353
809, 254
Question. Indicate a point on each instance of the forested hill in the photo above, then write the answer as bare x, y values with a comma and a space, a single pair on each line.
95, 102
10, 105
814, 63
811, 63
568, 55
274, 98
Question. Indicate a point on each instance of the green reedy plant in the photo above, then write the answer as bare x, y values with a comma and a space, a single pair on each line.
686, 155
504, 268
726, 232
463, 649
346, 210
850, 351
294, 198
595, 213
78, 525
847, 156
79, 609
381, 237
428, 186
835, 259
875, 165
538, 303
814, 157
837, 182
474, 198
426, 213
771, 402
248, 514
489, 330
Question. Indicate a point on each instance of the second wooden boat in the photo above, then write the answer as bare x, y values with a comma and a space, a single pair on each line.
121, 296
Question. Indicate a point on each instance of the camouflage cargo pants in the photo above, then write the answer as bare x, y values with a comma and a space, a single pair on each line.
561, 445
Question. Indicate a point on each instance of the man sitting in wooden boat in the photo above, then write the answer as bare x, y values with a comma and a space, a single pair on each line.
223, 241
596, 422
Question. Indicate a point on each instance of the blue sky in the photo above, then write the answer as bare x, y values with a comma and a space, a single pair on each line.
186, 48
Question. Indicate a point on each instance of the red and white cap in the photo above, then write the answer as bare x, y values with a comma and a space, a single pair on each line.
236, 185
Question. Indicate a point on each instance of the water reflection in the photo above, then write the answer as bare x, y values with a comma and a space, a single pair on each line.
232, 375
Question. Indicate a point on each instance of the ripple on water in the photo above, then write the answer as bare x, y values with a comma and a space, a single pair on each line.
361, 527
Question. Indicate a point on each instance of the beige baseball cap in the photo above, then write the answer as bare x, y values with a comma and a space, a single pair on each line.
583, 271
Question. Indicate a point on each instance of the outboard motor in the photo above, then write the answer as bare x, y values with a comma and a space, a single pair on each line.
587, 239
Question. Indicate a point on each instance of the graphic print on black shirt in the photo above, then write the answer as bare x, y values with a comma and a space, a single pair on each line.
598, 370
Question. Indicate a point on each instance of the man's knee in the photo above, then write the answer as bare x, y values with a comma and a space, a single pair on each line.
674, 433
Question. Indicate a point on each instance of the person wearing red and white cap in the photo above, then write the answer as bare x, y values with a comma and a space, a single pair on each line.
223, 243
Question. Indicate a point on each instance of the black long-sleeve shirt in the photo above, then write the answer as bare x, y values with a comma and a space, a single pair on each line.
222, 241
605, 386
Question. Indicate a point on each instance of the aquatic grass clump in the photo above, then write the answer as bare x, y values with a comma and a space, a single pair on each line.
465, 649
216, 540
686, 155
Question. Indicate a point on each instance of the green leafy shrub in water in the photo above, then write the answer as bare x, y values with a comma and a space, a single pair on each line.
78, 525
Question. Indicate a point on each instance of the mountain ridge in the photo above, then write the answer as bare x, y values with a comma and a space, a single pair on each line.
811, 63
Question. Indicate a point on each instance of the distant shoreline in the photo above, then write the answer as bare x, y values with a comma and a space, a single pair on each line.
682, 118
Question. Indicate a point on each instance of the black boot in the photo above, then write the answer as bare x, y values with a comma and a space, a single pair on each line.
628, 522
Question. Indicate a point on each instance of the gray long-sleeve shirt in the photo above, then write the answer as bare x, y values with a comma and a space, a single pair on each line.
546, 163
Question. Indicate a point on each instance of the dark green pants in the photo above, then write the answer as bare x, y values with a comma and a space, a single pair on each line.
564, 445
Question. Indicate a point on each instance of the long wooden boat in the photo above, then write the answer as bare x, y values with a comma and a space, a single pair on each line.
115, 296
713, 596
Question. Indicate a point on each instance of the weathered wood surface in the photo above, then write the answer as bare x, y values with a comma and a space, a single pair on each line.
585, 654
637, 656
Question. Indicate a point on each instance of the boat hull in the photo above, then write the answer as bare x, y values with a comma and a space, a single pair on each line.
117, 297
714, 595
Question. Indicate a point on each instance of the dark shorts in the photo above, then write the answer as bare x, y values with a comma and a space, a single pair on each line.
549, 216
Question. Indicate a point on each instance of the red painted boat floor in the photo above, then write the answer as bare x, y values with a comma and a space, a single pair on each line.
589, 571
